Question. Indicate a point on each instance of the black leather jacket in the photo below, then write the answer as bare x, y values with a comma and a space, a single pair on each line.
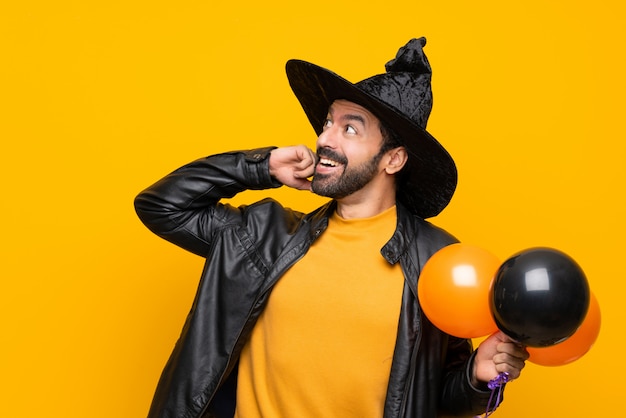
247, 251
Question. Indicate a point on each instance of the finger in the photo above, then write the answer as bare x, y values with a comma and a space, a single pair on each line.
307, 159
503, 338
514, 349
304, 172
304, 153
509, 364
514, 361
512, 371
304, 185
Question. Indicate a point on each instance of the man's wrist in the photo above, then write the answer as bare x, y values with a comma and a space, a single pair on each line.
471, 375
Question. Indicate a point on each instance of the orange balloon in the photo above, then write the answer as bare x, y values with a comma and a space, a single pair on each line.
575, 346
453, 290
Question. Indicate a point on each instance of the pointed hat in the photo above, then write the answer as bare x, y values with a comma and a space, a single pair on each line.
402, 99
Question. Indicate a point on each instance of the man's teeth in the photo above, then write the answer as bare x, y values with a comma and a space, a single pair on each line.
326, 161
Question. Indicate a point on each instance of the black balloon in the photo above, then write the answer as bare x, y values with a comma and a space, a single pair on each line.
539, 297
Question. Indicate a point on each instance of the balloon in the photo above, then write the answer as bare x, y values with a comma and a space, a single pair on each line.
453, 290
539, 297
575, 346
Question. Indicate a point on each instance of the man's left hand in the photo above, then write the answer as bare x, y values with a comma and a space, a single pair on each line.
498, 354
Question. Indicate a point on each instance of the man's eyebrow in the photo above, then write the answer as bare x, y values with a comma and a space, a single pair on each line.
350, 116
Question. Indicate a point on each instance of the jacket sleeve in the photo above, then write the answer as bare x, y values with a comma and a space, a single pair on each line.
183, 207
459, 396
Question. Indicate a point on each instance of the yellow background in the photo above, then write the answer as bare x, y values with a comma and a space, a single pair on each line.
101, 98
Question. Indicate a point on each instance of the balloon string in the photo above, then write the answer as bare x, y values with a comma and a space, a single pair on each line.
497, 387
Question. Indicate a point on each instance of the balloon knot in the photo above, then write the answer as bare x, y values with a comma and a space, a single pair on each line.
496, 385
499, 380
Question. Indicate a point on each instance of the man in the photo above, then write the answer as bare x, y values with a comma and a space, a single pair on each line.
316, 315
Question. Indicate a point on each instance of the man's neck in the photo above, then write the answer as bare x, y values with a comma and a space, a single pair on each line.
354, 209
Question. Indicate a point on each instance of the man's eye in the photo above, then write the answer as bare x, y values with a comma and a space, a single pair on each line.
350, 130
327, 123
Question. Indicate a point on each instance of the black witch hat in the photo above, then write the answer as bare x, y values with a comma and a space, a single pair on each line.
402, 99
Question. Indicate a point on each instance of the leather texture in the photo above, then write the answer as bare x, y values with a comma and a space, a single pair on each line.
247, 250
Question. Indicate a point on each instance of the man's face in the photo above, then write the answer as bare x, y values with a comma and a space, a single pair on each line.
348, 150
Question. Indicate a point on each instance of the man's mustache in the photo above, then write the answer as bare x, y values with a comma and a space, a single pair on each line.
331, 155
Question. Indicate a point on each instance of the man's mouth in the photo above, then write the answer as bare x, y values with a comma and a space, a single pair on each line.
330, 159
327, 162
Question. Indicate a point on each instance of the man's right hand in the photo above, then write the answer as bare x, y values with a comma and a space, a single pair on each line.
292, 166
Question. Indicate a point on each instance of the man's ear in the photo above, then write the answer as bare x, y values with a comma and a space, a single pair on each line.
397, 158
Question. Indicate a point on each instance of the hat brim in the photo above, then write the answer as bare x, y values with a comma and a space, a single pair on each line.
430, 176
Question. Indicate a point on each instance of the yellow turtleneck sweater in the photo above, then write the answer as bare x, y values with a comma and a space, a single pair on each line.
324, 344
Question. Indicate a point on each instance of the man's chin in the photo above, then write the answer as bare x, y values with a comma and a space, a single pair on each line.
319, 187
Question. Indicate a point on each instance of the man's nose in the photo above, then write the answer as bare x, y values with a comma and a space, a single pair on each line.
328, 138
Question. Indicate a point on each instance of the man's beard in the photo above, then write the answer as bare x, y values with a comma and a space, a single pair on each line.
348, 182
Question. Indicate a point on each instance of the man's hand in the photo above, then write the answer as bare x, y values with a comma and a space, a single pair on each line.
292, 166
498, 354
